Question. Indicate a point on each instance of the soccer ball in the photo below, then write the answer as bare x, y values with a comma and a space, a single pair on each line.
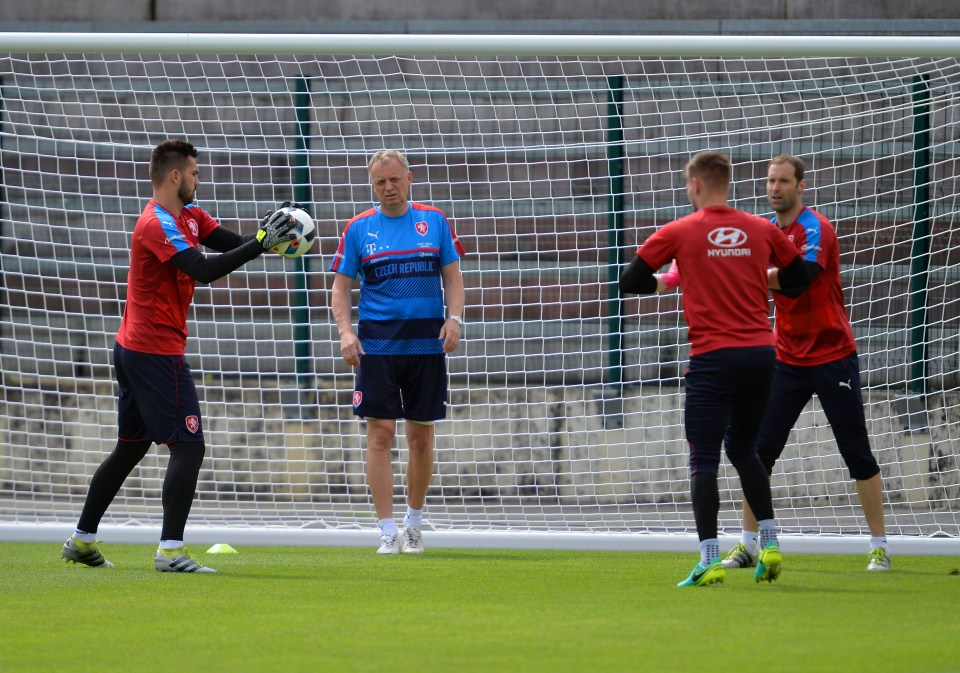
306, 234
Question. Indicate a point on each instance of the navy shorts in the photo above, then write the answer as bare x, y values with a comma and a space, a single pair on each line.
837, 385
158, 398
401, 386
726, 396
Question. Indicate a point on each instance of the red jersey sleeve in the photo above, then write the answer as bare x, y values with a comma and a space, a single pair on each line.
660, 248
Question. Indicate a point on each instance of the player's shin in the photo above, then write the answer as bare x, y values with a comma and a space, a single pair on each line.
179, 487
706, 503
107, 481
756, 487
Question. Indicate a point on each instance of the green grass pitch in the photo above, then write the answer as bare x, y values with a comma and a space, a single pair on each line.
348, 609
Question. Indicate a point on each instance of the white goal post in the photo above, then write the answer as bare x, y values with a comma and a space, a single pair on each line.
552, 156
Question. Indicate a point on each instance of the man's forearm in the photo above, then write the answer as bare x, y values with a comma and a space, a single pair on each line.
340, 305
453, 290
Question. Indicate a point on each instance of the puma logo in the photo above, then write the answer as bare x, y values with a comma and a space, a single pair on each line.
375, 235
845, 384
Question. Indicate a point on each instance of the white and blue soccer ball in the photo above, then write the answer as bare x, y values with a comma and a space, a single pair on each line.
306, 235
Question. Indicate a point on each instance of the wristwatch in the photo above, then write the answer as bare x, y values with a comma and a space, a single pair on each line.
457, 319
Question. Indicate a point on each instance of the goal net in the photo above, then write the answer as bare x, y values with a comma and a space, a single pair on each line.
565, 406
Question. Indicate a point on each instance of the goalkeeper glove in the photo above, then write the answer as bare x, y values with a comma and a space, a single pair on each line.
276, 227
672, 277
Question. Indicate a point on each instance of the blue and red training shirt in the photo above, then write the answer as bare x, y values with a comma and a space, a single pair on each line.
398, 259
813, 328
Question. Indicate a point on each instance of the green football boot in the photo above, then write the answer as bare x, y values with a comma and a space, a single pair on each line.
702, 576
769, 563
878, 559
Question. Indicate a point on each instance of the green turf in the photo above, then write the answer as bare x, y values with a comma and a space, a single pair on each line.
334, 609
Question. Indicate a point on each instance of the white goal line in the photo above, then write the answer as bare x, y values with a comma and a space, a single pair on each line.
465, 539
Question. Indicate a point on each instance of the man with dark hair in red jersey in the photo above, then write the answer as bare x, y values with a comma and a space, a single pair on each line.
158, 402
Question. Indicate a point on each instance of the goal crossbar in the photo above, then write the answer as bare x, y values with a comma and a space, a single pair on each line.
739, 46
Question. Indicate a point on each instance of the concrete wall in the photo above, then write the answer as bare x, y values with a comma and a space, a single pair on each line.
188, 12
557, 9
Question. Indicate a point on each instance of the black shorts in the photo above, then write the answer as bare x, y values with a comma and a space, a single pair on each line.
726, 396
837, 385
158, 398
401, 386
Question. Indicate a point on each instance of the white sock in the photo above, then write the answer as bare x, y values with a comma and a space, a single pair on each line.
171, 544
709, 551
750, 539
768, 532
83, 536
874, 543
413, 518
387, 527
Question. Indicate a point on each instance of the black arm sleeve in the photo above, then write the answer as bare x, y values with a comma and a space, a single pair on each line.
638, 278
796, 276
206, 269
222, 239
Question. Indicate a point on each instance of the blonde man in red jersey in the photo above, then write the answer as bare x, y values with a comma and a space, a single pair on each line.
727, 253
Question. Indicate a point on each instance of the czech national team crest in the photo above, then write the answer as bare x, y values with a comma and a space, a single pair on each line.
193, 423
194, 229
357, 398
422, 228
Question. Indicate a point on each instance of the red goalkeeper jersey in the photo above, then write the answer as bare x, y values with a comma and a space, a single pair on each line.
158, 293
723, 255
814, 328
